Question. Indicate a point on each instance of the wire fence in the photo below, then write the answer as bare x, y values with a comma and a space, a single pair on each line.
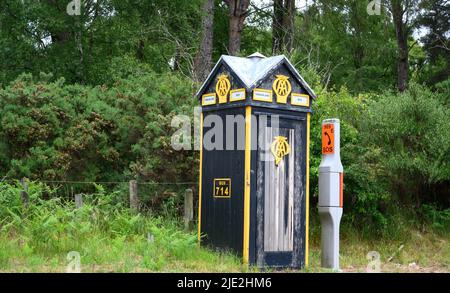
12, 180
154, 197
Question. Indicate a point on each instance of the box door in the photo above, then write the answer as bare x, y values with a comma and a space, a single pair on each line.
280, 193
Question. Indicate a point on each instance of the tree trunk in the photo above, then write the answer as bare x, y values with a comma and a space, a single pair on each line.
277, 26
140, 50
288, 24
402, 44
238, 13
58, 36
177, 58
80, 68
283, 25
203, 59
356, 23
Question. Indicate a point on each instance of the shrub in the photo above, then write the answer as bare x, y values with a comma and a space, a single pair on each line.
408, 134
105, 233
364, 197
53, 131
438, 219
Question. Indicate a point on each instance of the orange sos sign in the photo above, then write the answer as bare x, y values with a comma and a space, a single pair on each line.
327, 139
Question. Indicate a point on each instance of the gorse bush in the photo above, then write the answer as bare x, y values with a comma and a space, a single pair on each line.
394, 149
54, 131
409, 133
438, 219
394, 146
363, 195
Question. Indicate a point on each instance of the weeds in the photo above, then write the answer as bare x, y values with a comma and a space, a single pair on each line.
106, 234
110, 238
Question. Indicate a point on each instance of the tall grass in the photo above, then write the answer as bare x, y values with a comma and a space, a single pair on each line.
107, 235
38, 237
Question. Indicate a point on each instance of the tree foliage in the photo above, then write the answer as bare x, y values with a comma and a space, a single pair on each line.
120, 71
39, 36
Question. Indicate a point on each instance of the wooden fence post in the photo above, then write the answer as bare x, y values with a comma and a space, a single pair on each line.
134, 200
188, 208
24, 193
78, 200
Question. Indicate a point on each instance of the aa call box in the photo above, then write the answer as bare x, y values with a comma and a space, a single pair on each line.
254, 171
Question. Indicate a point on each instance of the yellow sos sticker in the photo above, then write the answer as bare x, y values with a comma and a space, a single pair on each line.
222, 187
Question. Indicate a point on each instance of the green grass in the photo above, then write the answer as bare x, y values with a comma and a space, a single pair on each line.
170, 250
114, 255
109, 238
404, 245
175, 251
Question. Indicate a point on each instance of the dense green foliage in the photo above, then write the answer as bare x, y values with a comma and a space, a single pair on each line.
394, 146
109, 238
117, 74
349, 47
435, 67
56, 131
409, 135
40, 36
394, 150
103, 231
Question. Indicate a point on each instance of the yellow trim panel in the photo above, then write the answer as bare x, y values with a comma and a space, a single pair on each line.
209, 99
237, 95
248, 141
308, 122
299, 100
262, 95
200, 181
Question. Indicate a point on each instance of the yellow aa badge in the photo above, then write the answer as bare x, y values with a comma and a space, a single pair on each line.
280, 148
282, 88
223, 86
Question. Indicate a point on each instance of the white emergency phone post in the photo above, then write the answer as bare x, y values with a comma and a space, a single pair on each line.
330, 192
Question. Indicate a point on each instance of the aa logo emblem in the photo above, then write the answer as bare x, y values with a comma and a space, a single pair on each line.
282, 88
280, 148
223, 86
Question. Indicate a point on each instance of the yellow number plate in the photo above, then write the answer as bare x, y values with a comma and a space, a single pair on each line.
222, 187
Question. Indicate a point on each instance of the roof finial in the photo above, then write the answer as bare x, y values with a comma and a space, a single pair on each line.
256, 55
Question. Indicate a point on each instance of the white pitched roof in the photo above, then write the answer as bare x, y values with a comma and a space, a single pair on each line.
252, 69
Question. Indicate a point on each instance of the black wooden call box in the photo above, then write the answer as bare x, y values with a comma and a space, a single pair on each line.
254, 160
